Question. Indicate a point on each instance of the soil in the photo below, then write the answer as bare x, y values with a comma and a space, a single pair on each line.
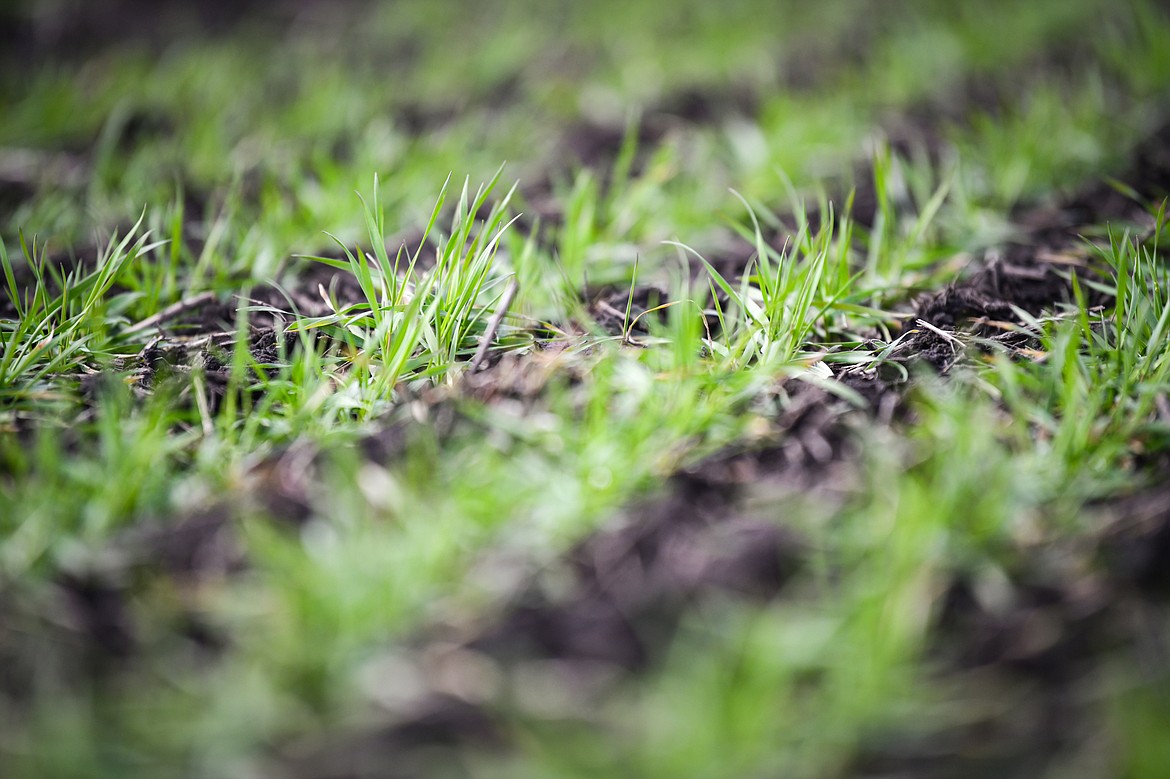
30, 35
632, 584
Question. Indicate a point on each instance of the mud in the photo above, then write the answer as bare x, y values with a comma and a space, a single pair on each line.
393, 752
73, 32
1136, 546
632, 584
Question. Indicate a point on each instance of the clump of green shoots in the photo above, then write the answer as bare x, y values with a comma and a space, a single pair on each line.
896, 244
785, 296
1099, 373
415, 322
63, 321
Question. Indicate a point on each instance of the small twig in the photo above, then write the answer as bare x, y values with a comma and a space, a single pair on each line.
628, 341
604, 307
171, 311
952, 340
489, 334
1007, 327
222, 338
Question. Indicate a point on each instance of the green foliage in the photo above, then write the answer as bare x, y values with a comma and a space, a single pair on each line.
376, 483
416, 322
63, 323
1092, 393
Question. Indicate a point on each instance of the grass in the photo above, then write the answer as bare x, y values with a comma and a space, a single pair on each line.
61, 318
400, 411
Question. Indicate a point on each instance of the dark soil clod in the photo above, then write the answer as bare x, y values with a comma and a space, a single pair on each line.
99, 611
633, 583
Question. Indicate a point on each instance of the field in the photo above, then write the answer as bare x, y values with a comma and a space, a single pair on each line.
551, 389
